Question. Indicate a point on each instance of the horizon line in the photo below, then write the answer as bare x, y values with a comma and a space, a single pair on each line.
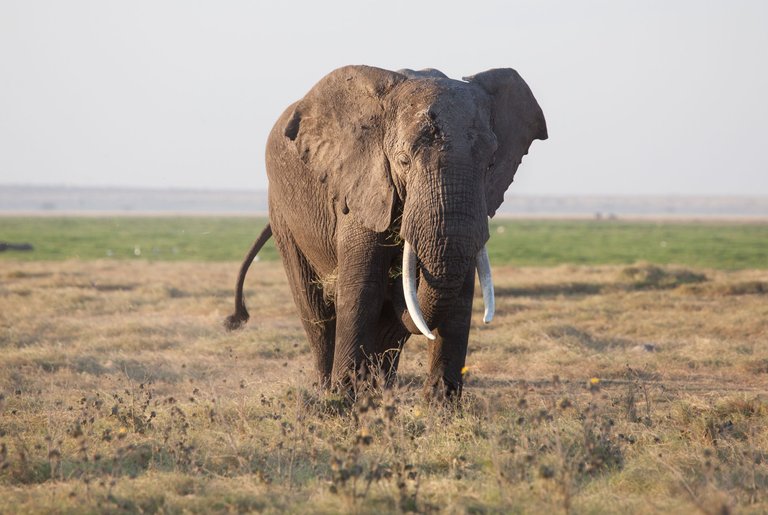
245, 191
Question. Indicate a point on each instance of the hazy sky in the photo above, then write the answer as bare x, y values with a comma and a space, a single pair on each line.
652, 97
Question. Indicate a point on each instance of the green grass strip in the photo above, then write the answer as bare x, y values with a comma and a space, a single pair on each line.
725, 245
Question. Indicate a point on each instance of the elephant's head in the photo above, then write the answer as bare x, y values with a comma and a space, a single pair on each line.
439, 153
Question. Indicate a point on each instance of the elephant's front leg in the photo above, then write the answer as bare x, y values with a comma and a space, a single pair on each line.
448, 352
363, 261
390, 338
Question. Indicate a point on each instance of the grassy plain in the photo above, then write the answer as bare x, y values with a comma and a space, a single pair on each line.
598, 388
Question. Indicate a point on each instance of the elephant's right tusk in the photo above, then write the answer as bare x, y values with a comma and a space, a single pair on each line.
409, 289
486, 283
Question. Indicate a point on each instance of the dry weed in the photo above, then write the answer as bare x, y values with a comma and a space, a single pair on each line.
596, 389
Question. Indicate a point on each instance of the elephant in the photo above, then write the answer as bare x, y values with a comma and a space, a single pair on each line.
381, 186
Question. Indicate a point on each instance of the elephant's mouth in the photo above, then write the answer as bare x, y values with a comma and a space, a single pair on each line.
410, 291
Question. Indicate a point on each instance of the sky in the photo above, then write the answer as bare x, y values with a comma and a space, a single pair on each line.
641, 98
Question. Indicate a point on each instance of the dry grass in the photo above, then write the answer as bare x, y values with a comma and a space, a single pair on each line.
596, 389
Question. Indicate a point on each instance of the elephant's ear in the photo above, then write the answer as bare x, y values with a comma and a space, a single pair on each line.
516, 119
338, 130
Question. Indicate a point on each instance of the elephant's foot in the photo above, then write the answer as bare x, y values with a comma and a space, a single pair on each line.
442, 391
355, 384
372, 376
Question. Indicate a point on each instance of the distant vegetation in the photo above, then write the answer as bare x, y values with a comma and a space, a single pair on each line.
588, 242
518, 242
153, 238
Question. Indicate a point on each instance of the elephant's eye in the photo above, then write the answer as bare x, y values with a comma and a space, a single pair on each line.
403, 160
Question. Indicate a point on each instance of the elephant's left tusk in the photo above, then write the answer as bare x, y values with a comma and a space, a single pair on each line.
409, 291
486, 283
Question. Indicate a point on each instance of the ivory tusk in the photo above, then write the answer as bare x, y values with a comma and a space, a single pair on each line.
409, 290
486, 283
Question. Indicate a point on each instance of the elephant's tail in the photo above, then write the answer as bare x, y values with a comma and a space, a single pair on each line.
240, 316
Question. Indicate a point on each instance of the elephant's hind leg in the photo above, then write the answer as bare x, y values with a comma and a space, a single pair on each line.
317, 312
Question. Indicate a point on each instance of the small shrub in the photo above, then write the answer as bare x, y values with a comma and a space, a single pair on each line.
651, 277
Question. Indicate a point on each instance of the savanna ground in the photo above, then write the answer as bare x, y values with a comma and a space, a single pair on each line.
626, 371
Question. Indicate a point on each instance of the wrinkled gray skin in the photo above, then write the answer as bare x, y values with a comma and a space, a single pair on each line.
370, 158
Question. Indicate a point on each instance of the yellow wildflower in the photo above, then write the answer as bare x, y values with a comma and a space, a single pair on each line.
594, 384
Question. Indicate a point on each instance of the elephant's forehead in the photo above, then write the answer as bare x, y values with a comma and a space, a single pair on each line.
432, 98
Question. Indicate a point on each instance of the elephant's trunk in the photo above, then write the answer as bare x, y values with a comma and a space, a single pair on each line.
434, 298
410, 291
445, 223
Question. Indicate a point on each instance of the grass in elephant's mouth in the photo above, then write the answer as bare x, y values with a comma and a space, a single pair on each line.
601, 389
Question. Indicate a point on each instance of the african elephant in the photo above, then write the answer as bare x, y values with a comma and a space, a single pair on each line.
381, 184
